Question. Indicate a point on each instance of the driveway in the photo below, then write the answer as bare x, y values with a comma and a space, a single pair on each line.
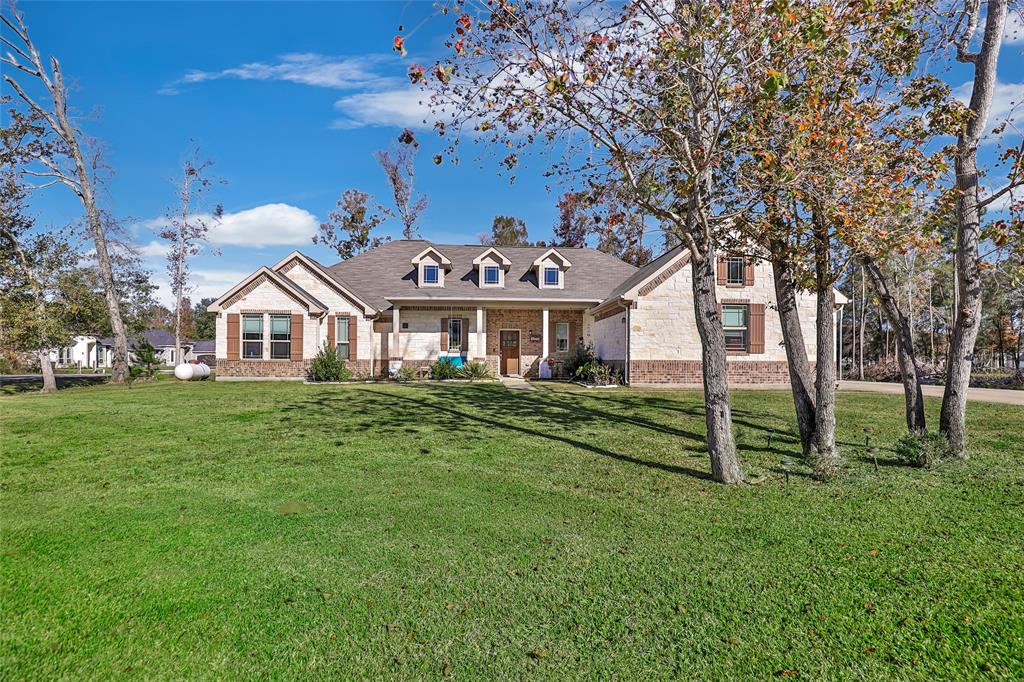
987, 395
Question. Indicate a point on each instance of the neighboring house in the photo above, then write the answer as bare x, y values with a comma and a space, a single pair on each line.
204, 351
94, 352
410, 302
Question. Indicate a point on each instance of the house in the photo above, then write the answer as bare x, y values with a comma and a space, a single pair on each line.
95, 352
519, 309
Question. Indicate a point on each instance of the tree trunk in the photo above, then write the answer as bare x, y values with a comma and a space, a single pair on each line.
801, 376
49, 381
725, 464
853, 330
904, 348
826, 460
863, 318
952, 420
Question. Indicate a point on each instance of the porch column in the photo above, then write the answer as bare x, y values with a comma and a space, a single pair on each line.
396, 326
481, 352
544, 335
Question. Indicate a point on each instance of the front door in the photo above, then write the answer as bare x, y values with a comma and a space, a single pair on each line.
510, 351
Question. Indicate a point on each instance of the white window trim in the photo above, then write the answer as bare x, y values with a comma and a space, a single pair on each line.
543, 277
338, 336
264, 348
743, 271
422, 275
492, 285
564, 325
271, 341
455, 346
745, 328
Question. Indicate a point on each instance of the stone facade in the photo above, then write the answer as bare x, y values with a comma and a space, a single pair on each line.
690, 372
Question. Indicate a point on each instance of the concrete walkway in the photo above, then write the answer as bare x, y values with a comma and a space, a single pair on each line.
517, 384
988, 395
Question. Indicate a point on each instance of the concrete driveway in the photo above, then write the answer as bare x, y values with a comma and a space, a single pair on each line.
988, 395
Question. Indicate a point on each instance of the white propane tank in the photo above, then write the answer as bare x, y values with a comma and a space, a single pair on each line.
187, 371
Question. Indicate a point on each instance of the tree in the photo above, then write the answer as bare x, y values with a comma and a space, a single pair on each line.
348, 230
186, 233
573, 225
399, 164
31, 264
204, 322
506, 230
967, 319
66, 164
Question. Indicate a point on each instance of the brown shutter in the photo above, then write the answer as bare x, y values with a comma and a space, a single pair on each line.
444, 333
332, 328
756, 328
551, 334
234, 336
748, 272
572, 334
465, 334
297, 337
353, 337
721, 270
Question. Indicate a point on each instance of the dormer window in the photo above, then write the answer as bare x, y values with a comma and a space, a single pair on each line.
550, 270
431, 265
491, 266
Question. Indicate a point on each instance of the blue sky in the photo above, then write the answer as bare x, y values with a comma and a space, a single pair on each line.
290, 100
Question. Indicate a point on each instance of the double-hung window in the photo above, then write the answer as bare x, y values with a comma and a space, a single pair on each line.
430, 275
280, 337
736, 320
252, 337
491, 275
551, 277
455, 334
561, 337
734, 271
341, 334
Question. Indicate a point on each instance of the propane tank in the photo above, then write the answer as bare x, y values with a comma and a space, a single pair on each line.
188, 371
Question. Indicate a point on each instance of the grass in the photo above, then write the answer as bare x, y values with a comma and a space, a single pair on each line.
270, 530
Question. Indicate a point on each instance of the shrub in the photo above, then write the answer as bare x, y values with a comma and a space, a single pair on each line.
475, 370
406, 373
147, 363
596, 373
444, 369
578, 356
328, 366
922, 450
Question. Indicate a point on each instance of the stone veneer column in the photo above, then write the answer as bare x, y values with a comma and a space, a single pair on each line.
481, 352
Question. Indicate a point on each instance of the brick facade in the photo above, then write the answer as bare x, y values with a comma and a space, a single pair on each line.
689, 372
530, 324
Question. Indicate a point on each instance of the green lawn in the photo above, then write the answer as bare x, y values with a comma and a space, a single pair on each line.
274, 531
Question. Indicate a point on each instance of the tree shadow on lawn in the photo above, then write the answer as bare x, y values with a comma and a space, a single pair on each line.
534, 414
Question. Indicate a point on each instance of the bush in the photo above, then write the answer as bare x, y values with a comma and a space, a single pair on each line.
596, 373
922, 450
475, 370
147, 363
406, 373
444, 369
328, 366
578, 356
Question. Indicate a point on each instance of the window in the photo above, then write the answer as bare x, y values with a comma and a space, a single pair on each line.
551, 277
280, 337
734, 271
455, 333
252, 336
430, 274
171, 353
491, 274
341, 334
734, 319
561, 337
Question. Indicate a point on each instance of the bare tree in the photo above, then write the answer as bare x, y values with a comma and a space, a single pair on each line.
952, 419
186, 232
350, 225
67, 165
399, 164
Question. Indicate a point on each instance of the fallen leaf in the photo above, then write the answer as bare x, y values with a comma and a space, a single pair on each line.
538, 654
786, 673
873, 552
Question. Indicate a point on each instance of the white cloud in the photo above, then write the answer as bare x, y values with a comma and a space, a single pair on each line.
1006, 102
154, 249
266, 225
342, 73
405, 108
203, 283
1013, 32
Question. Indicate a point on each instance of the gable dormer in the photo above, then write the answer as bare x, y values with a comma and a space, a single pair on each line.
550, 269
491, 266
431, 266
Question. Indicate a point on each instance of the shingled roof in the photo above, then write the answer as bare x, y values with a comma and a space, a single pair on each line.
386, 274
